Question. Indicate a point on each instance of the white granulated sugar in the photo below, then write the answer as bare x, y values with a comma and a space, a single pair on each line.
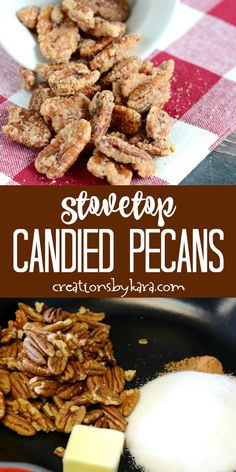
185, 422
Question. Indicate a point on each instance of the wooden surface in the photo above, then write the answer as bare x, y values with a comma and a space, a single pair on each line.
219, 168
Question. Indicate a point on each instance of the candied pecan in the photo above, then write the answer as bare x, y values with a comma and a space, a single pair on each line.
28, 78
60, 43
33, 351
43, 386
2, 405
27, 128
68, 416
112, 10
72, 79
64, 110
91, 91
129, 400
115, 418
5, 384
101, 108
122, 70
126, 120
57, 363
40, 94
103, 167
44, 23
166, 69
131, 83
115, 378
57, 14
123, 152
115, 52
92, 416
79, 12
142, 97
148, 68
117, 92
19, 385
28, 16
157, 148
106, 28
158, 123
45, 70
63, 151
18, 424
130, 375
88, 48
69, 391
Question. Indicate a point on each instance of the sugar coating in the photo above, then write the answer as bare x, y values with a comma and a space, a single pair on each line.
185, 422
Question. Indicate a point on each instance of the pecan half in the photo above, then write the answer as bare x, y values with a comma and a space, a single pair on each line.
2, 405
5, 384
125, 153
115, 418
63, 151
79, 12
26, 127
129, 400
125, 120
57, 363
72, 79
115, 377
92, 416
43, 386
158, 123
114, 52
28, 16
18, 424
30, 312
19, 385
103, 167
101, 109
68, 416
62, 111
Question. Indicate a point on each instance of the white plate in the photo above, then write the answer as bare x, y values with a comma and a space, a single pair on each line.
150, 18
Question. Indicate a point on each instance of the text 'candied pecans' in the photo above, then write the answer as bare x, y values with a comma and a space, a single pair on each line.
58, 369
92, 77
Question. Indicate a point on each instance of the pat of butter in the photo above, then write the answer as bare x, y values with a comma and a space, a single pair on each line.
92, 449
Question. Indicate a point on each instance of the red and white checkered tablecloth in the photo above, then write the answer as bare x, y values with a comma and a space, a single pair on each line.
202, 41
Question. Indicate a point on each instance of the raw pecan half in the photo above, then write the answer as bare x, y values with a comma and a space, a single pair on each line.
2, 405
129, 400
18, 424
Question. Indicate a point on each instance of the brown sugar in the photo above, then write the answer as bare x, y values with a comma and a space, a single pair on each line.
206, 364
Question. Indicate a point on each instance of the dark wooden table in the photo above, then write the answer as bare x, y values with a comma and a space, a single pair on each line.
219, 168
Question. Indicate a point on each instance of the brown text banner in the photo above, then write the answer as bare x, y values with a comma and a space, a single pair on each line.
117, 242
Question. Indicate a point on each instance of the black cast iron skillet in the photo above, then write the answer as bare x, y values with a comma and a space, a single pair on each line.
175, 330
